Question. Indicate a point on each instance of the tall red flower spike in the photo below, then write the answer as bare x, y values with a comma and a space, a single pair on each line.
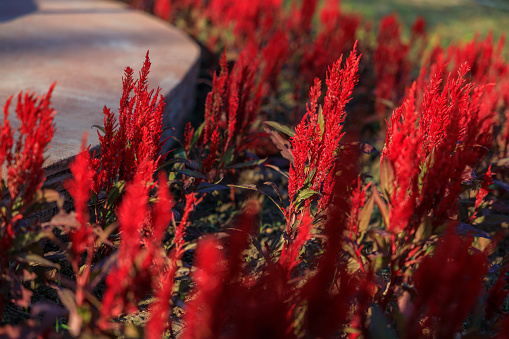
446, 136
81, 235
447, 295
136, 135
317, 136
25, 173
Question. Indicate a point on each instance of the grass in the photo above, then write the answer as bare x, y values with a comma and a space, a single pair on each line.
447, 20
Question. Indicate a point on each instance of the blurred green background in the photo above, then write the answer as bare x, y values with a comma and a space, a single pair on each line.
450, 20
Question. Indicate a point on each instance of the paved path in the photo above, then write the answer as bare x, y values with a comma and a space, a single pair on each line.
84, 45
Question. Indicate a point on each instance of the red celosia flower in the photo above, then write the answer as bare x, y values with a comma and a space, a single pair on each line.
300, 19
132, 214
22, 161
337, 35
497, 294
162, 8
288, 258
81, 235
419, 27
442, 139
330, 293
358, 200
391, 64
247, 17
188, 135
483, 192
222, 285
447, 295
208, 163
160, 309
214, 101
137, 136
79, 186
25, 173
315, 143
210, 272
243, 80
233, 106
274, 54
179, 232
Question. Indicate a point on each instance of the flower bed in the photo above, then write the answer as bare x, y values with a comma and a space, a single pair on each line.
328, 237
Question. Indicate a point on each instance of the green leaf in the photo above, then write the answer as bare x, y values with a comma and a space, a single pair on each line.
284, 146
36, 260
382, 206
380, 262
248, 163
66, 296
206, 188
256, 188
386, 177
172, 176
18, 203
25, 239
279, 170
466, 229
365, 214
246, 186
276, 189
281, 128
309, 178
492, 221
380, 238
196, 136
46, 195
103, 234
228, 156
424, 230
174, 161
425, 168
85, 313
321, 120
305, 194
49, 196
115, 192
352, 266
388, 103
191, 173
99, 127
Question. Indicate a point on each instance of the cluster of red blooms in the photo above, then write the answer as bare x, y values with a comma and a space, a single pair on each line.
21, 158
446, 137
392, 61
139, 262
286, 39
230, 110
447, 295
317, 137
133, 140
136, 137
336, 35
24, 162
81, 235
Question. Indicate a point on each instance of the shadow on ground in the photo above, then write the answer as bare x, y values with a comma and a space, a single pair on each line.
12, 9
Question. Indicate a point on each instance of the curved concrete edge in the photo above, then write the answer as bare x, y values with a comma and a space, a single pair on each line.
59, 40
183, 102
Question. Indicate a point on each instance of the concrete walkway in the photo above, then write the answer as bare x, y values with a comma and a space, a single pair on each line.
84, 45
